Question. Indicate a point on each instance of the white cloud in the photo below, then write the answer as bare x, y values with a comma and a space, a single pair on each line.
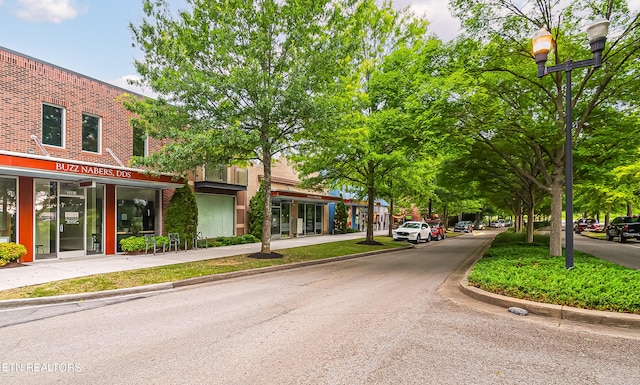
123, 82
52, 11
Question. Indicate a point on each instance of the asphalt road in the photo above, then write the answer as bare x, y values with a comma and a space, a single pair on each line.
624, 254
373, 320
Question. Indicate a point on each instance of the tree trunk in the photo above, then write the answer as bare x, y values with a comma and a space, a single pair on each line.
555, 242
266, 222
530, 224
629, 209
391, 216
371, 197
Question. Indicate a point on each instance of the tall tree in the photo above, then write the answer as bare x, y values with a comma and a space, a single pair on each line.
370, 132
505, 70
244, 78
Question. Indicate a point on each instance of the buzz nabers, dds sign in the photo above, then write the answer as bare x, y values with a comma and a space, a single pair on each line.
92, 170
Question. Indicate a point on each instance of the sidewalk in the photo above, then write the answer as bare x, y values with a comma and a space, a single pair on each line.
34, 273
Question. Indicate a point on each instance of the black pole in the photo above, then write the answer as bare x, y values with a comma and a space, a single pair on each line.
568, 228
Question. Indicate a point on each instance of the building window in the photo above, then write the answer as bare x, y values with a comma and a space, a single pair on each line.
52, 125
91, 133
8, 210
139, 142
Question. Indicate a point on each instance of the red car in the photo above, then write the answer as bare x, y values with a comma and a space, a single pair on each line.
438, 231
586, 225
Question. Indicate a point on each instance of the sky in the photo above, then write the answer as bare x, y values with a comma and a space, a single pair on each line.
92, 37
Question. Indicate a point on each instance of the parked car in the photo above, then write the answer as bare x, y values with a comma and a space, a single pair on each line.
588, 224
464, 226
623, 228
413, 231
438, 232
478, 225
498, 223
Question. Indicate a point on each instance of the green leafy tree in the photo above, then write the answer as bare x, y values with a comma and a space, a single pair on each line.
374, 129
506, 96
244, 79
256, 213
182, 213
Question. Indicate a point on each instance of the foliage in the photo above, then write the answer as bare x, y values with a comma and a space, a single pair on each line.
237, 240
11, 252
256, 213
133, 244
501, 103
369, 133
182, 213
244, 79
341, 216
517, 269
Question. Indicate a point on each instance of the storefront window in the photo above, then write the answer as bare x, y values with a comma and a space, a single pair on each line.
319, 219
8, 206
95, 209
46, 213
136, 212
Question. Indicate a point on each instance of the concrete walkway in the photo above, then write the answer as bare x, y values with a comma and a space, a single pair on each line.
54, 270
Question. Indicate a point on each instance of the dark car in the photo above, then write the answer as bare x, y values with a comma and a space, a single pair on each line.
623, 228
586, 224
478, 225
438, 232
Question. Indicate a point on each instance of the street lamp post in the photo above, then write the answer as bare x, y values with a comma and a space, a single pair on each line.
542, 44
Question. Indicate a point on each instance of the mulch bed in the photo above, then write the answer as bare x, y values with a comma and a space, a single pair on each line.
12, 264
265, 255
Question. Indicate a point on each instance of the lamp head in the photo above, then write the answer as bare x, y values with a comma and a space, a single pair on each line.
597, 33
542, 42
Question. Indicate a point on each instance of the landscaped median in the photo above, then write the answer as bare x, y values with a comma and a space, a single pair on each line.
513, 268
193, 272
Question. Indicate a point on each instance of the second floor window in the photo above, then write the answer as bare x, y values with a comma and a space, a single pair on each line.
139, 142
91, 133
52, 125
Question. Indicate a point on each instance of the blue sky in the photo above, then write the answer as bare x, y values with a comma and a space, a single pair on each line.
92, 37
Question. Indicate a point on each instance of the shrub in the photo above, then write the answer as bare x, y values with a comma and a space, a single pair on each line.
256, 213
11, 252
133, 244
182, 213
341, 217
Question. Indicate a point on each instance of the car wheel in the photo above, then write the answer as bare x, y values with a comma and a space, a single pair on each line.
439, 237
429, 238
609, 237
622, 239
418, 239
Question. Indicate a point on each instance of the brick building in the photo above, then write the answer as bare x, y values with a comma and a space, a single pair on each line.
66, 187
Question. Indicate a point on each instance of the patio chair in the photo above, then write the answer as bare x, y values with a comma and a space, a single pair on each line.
174, 241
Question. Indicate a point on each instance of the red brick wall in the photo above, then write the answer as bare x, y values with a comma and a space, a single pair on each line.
26, 83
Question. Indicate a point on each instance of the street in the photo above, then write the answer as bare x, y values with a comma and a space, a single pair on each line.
372, 320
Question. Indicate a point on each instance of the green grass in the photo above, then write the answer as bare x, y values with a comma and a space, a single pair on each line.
171, 273
600, 235
513, 268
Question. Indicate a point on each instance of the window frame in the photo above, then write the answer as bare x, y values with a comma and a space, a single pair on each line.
99, 134
63, 125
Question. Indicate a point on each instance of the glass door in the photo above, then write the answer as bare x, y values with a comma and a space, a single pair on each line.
71, 224
275, 222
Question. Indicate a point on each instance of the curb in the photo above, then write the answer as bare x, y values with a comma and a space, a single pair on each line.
27, 302
561, 312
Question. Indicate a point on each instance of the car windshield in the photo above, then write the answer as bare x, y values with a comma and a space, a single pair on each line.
411, 225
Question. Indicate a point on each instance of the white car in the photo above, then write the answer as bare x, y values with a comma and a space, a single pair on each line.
499, 223
413, 231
